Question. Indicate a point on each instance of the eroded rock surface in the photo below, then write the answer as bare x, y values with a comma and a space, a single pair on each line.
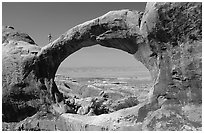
20, 93
166, 38
23, 91
157, 38
174, 36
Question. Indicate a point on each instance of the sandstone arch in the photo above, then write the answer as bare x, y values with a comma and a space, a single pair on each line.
148, 37
167, 39
116, 29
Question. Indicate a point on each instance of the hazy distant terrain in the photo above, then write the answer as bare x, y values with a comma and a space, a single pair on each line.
120, 81
110, 72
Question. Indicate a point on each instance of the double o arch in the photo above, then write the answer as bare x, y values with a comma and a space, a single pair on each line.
116, 29
174, 60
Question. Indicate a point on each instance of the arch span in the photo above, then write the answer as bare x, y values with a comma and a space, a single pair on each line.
146, 36
116, 29
167, 39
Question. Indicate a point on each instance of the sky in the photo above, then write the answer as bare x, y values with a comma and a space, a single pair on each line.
38, 19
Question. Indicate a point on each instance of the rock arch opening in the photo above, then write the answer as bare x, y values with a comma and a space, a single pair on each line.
173, 57
104, 86
102, 57
116, 29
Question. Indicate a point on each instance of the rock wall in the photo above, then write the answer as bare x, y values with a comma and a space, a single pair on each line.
173, 33
166, 38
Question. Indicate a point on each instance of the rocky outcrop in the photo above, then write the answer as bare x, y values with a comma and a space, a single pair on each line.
23, 92
167, 39
20, 93
8, 33
173, 118
173, 34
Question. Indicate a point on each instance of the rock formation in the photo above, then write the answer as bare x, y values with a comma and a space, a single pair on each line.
20, 93
166, 38
173, 33
157, 38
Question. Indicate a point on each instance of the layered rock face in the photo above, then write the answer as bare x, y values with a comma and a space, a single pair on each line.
166, 38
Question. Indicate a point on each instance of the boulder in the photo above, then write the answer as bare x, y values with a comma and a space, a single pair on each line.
20, 96
23, 91
124, 103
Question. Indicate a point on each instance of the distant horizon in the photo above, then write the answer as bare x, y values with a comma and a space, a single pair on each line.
98, 66
105, 72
